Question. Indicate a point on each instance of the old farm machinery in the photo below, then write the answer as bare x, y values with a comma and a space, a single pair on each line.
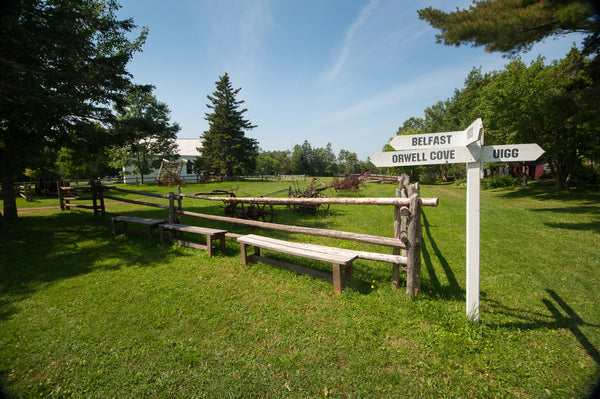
314, 190
242, 208
261, 208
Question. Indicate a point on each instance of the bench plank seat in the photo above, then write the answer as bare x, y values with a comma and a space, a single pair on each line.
341, 259
211, 235
126, 220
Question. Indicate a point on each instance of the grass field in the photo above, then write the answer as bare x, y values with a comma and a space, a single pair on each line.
83, 314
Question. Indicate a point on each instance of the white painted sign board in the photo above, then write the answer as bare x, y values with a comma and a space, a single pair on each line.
511, 153
457, 147
430, 156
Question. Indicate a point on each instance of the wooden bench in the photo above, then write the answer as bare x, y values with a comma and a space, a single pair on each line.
211, 234
341, 259
126, 220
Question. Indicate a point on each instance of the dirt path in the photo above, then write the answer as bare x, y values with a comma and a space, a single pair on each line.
40, 208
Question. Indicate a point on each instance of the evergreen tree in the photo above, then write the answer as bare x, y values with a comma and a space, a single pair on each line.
510, 26
225, 148
62, 63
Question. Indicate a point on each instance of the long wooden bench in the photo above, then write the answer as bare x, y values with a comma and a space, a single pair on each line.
211, 235
125, 221
341, 259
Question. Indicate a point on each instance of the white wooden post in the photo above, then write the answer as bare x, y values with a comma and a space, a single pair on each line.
473, 236
474, 170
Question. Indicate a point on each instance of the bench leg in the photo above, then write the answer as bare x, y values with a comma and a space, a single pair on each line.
244, 254
348, 272
116, 230
222, 241
209, 244
337, 278
342, 275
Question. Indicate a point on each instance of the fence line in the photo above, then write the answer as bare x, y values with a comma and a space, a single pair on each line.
407, 220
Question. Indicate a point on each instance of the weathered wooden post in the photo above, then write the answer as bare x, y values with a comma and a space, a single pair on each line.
179, 204
60, 196
94, 188
101, 192
171, 207
413, 253
400, 225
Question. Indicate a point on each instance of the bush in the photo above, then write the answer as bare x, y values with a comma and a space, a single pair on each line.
501, 181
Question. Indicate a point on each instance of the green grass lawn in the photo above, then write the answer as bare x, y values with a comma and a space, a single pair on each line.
83, 314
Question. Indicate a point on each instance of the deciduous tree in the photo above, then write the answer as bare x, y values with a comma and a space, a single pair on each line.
148, 135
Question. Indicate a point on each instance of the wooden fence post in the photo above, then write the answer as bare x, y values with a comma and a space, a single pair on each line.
171, 207
94, 188
60, 196
413, 269
401, 214
396, 250
101, 191
179, 204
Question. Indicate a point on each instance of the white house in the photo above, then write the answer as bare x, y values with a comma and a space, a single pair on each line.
187, 149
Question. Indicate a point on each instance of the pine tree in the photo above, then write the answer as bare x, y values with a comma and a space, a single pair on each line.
62, 63
225, 148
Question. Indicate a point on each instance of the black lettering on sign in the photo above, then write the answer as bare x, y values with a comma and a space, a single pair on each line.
442, 155
505, 153
431, 140
409, 157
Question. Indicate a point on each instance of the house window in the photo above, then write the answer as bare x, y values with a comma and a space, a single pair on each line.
189, 168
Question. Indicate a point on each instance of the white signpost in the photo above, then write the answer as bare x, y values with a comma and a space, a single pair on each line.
458, 147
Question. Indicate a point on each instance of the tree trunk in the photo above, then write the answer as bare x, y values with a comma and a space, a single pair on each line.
560, 175
8, 185
140, 168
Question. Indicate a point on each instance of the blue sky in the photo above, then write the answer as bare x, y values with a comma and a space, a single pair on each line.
345, 72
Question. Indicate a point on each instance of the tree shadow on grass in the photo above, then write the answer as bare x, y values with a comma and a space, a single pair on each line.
544, 192
561, 316
453, 289
44, 249
590, 211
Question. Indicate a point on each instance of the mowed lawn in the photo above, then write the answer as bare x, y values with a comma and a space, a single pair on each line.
84, 314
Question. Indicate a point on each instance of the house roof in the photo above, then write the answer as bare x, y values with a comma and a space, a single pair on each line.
188, 147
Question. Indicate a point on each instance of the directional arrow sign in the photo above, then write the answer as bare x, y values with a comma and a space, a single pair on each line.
431, 156
511, 153
473, 132
428, 140
438, 140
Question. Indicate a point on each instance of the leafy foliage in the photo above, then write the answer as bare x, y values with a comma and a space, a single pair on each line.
144, 126
62, 63
546, 104
554, 105
511, 26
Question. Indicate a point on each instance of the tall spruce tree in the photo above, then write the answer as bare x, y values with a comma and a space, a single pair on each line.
225, 148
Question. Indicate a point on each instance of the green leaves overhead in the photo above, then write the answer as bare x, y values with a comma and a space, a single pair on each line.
510, 26
62, 64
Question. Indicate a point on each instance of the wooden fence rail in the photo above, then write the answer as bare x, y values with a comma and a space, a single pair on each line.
405, 244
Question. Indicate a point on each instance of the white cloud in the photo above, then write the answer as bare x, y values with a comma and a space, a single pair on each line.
344, 52
434, 85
